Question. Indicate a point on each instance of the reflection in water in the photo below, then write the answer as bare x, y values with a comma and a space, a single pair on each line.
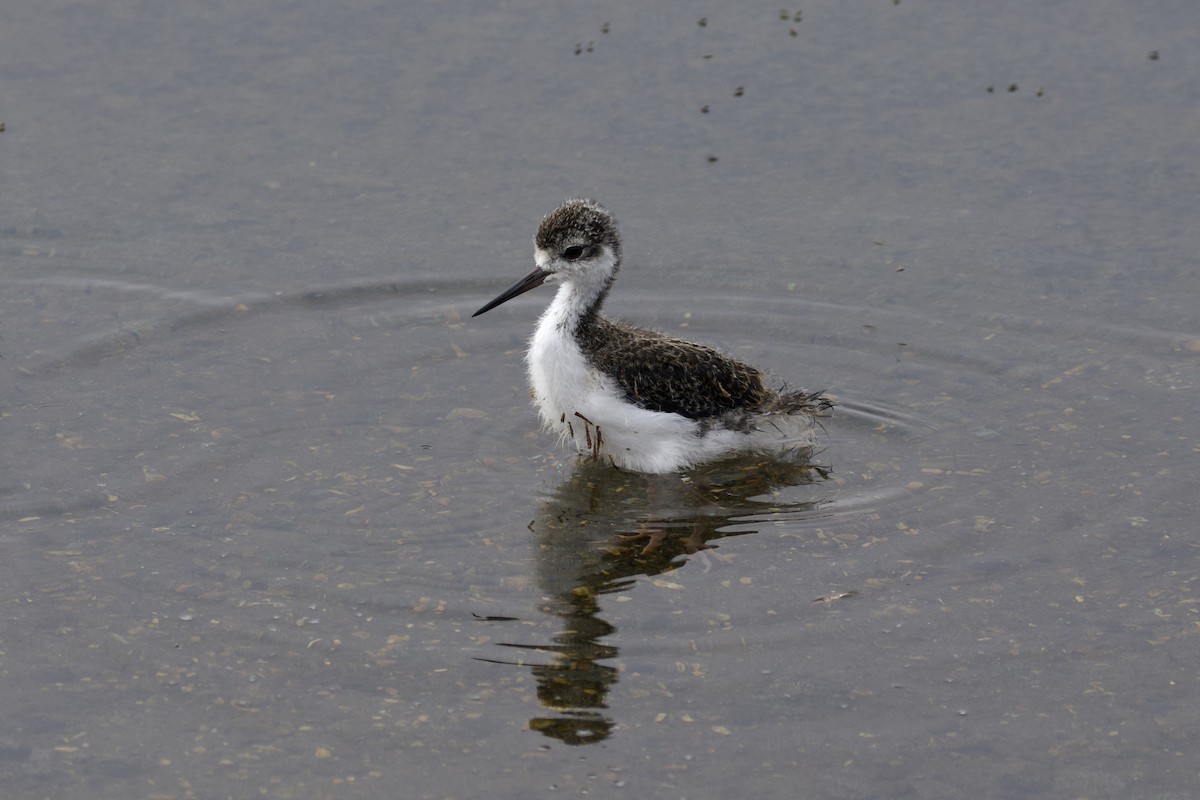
599, 530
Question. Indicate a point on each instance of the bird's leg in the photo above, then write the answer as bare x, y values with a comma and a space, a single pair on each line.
593, 444
652, 529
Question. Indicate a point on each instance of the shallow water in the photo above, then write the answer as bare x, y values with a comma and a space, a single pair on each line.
277, 517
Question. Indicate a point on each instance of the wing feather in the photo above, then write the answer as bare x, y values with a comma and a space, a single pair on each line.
660, 373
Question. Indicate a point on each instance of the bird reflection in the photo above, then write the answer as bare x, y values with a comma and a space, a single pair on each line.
602, 528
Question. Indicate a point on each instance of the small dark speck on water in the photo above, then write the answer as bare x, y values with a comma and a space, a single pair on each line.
784, 14
604, 28
739, 91
991, 89
1153, 55
1012, 87
711, 159
794, 32
703, 109
1040, 91
703, 23
2, 128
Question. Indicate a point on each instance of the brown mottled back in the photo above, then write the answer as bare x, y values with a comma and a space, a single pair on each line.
659, 373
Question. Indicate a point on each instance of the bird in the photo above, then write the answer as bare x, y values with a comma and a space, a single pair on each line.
639, 399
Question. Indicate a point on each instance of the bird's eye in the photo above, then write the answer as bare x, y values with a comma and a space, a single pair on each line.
573, 253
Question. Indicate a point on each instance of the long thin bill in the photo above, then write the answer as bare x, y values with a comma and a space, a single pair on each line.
530, 281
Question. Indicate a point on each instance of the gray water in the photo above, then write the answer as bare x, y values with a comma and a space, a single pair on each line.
276, 517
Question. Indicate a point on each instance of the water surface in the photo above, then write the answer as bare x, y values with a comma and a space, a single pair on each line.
277, 517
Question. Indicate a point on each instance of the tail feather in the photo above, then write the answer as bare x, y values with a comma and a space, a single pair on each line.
799, 402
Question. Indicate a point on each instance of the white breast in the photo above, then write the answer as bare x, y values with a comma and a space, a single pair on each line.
582, 404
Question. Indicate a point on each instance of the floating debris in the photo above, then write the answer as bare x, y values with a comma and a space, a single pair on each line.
829, 598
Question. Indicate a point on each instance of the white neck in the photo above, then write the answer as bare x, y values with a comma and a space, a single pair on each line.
583, 289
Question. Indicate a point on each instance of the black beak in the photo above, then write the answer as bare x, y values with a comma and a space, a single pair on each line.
530, 281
